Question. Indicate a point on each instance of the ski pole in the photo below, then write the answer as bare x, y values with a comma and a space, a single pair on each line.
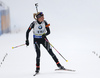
18, 46
56, 50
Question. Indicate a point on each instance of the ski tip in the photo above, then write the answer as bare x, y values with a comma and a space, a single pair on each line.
12, 47
36, 73
66, 60
74, 70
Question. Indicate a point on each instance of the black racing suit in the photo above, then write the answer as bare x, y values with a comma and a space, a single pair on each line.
38, 41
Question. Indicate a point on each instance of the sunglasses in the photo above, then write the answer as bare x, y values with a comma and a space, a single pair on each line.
40, 15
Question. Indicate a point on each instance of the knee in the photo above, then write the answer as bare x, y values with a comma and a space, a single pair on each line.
38, 56
51, 52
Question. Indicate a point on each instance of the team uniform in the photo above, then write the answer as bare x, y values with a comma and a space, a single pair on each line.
40, 31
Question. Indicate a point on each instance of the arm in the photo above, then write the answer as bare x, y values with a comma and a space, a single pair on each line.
47, 28
48, 31
29, 29
27, 33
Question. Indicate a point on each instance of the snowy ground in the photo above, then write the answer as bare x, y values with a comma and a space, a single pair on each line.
20, 62
75, 33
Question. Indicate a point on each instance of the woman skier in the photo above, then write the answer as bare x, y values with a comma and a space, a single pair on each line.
41, 30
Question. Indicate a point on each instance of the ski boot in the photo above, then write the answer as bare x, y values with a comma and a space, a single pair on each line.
37, 70
61, 67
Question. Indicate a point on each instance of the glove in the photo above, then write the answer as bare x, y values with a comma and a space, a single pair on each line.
43, 36
27, 42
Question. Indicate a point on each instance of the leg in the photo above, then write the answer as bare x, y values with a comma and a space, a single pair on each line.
48, 48
37, 48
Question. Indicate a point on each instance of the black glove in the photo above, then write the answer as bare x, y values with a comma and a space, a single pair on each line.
27, 42
43, 36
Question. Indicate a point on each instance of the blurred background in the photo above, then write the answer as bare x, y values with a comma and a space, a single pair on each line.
4, 18
75, 32
76, 21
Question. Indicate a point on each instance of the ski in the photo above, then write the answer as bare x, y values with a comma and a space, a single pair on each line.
65, 70
36, 73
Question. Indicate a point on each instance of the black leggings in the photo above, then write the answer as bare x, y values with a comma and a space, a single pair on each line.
37, 42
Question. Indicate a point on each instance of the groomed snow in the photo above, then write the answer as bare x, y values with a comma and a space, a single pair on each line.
75, 33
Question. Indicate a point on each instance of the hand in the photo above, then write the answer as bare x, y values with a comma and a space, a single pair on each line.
43, 36
27, 42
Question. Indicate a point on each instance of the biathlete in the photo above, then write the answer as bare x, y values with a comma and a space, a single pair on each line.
41, 30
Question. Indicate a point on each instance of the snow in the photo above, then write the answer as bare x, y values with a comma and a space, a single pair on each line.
20, 62
75, 33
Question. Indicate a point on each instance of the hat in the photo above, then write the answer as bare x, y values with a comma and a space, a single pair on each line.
38, 15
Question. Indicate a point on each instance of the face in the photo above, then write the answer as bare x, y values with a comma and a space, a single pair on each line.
41, 19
